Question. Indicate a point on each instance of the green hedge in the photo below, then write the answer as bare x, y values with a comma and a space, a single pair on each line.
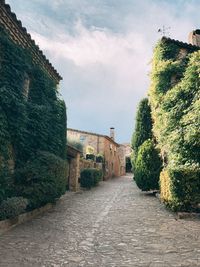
6, 184
12, 207
42, 180
147, 167
185, 187
90, 177
90, 157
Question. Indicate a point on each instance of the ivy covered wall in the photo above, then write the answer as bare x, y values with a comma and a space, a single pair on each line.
175, 102
32, 122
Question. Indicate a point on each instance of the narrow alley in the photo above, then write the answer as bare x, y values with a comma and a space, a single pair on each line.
111, 225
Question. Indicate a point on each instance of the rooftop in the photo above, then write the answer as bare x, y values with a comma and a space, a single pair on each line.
181, 44
96, 134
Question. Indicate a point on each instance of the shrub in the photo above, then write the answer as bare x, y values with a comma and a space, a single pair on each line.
99, 158
12, 207
147, 167
90, 177
90, 156
42, 180
133, 159
6, 184
128, 164
165, 187
185, 187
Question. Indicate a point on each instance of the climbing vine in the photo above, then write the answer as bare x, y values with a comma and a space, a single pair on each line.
175, 103
32, 119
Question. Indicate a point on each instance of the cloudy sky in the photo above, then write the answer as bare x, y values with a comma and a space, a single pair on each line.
102, 49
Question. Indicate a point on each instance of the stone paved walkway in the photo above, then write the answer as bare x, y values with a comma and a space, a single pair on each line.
111, 225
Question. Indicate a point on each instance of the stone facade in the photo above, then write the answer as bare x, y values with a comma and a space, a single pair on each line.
76, 164
85, 164
19, 36
124, 153
73, 157
103, 145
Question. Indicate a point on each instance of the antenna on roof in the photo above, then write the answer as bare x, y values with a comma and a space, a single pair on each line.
164, 31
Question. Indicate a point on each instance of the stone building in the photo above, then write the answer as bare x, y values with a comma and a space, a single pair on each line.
32, 116
73, 157
125, 154
104, 145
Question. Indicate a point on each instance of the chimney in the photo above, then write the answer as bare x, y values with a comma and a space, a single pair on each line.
112, 133
194, 38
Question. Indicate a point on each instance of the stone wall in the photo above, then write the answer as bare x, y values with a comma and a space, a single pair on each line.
112, 161
85, 164
76, 165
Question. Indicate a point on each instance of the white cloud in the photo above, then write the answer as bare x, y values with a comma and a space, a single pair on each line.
104, 57
93, 46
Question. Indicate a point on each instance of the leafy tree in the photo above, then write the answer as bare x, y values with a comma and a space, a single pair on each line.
147, 167
143, 126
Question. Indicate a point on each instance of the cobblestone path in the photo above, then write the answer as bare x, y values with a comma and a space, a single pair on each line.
111, 225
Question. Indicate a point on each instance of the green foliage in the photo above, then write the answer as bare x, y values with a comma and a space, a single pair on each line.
147, 167
90, 177
12, 207
165, 186
99, 158
166, 50
90, 157
176, 116
133, 159
128, 164
143, 126
185, 189
42, 180
30, 121
6, 184
164, 72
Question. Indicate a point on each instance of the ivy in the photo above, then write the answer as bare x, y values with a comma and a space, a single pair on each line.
176, 114
28, 123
